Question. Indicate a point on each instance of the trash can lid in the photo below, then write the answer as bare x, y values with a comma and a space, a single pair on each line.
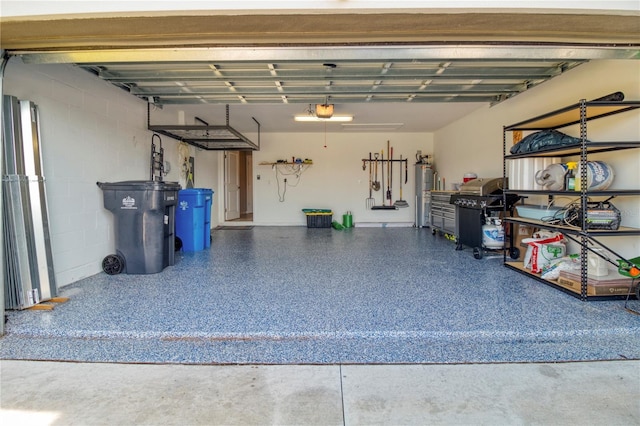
171, 186
143, 185
196, 191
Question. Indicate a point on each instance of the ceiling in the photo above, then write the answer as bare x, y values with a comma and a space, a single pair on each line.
311, 80
352, 85
399, 72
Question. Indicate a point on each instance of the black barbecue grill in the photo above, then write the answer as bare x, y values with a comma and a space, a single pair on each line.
478, 199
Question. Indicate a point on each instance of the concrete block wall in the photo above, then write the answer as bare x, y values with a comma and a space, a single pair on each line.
90, 132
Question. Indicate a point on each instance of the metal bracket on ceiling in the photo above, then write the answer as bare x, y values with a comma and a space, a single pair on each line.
205, 136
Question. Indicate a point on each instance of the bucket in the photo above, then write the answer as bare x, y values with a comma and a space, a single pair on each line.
469, 176
347, 220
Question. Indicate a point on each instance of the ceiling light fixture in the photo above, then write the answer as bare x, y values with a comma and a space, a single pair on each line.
313, 118
324, 110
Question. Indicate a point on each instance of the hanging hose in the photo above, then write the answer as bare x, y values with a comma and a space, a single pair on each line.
157, 160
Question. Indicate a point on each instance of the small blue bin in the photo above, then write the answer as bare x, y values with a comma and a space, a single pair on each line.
193, 218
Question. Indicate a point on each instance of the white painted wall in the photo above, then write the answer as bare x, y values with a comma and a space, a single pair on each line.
336, 180
474, 143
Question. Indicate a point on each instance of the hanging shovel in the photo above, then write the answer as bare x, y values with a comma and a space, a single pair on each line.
376, 183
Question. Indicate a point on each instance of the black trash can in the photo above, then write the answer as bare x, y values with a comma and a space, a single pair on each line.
144, 222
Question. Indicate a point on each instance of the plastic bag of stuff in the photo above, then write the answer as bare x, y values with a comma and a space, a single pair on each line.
545, 139
543, 248
551, 271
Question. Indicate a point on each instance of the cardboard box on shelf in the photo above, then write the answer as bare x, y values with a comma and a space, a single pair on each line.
520, 233
610, 285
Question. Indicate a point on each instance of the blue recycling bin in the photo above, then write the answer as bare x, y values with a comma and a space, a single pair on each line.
193, 218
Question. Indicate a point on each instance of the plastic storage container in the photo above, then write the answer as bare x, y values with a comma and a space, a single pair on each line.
538, 212
144, 222
193, 218
318, 218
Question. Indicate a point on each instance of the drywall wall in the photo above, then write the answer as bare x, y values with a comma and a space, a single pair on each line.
474, 143
336, 179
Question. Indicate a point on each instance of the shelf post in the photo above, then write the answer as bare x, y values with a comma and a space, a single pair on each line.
584, 239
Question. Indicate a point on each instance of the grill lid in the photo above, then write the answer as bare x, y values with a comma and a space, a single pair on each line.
482, 186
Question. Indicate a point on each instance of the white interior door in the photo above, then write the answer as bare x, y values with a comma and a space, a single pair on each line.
232, 185
249, 168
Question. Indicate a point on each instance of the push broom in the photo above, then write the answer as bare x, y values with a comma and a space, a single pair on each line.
401, 203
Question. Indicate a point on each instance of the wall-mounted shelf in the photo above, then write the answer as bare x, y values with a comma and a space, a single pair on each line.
280, 163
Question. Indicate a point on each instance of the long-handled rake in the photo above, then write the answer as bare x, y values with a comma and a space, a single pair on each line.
370, 201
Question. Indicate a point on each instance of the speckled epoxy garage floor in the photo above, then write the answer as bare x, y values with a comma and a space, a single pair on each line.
293, 295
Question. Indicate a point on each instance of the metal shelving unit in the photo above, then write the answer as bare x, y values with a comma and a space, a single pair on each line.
580, 113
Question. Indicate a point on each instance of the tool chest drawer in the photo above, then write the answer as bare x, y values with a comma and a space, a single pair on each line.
443, 213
